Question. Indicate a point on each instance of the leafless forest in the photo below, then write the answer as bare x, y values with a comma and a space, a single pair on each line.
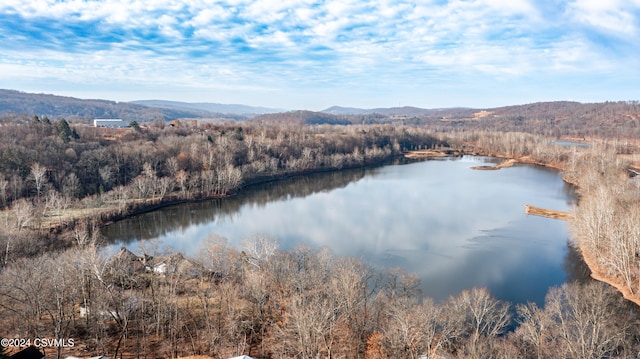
59, 181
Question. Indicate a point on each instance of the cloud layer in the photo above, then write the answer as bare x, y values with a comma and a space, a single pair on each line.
312, 54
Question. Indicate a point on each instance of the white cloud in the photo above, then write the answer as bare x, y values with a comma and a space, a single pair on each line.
617, 17
228, 43
213, 14
520, 7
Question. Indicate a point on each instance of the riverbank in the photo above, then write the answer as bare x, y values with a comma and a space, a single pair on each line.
63, 224
433, 153
598, 274
507, 163
589, 258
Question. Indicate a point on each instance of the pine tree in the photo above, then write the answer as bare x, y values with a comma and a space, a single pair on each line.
64, 131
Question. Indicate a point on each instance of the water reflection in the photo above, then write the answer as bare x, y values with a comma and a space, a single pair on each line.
577, 270
455, 227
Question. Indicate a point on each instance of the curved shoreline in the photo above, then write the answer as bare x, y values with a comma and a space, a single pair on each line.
102, 216
133, 209
587, 257
597, 274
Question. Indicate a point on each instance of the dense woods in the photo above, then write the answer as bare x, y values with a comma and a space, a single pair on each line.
60, 180
619, 119
607, 221
52, 175
302, 303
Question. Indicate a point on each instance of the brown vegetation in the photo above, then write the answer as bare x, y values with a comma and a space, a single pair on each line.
53, 176
505, 164
548, 213
606, 221
296, 304
433, 153
272, 304
605, 224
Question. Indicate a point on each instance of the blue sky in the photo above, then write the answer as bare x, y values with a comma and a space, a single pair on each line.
312, 54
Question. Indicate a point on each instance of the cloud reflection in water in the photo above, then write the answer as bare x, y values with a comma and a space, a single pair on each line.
454, 227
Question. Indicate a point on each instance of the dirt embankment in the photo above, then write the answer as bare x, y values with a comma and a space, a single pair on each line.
512, 161
599, 275
428, 154
508, 163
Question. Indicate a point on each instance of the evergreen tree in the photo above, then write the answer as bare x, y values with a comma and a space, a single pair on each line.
135, 126
64, 131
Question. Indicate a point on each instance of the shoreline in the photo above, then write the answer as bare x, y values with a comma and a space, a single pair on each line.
104, 216
135, 207
597, 274
588, 257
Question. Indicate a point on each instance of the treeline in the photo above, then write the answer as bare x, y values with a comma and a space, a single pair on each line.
302, 303
100, 162
619, 119
613, 119
607, 221
52, 173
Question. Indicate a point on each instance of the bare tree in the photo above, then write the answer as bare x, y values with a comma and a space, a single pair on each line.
533, 331
172, 166
38, 173
62, 288
24, 213
480, 318
259, 248
586, 320
217, 257
22, 293
411, 329
4, 185
182, 180
106, 175
71, 186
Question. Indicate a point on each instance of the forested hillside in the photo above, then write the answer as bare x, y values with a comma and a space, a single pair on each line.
619, 119
609, 119
20, 103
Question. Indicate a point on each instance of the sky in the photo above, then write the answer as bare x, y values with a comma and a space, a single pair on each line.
313, 54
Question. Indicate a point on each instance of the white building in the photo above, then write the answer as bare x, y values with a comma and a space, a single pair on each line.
110, 123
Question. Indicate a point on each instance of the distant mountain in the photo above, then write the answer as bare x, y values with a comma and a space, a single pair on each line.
391, 111
339, 110
22, 103
243, 110
305, 117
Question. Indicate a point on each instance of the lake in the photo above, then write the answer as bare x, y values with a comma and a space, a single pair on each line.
452, 226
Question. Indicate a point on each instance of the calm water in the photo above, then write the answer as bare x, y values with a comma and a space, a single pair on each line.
454, 227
